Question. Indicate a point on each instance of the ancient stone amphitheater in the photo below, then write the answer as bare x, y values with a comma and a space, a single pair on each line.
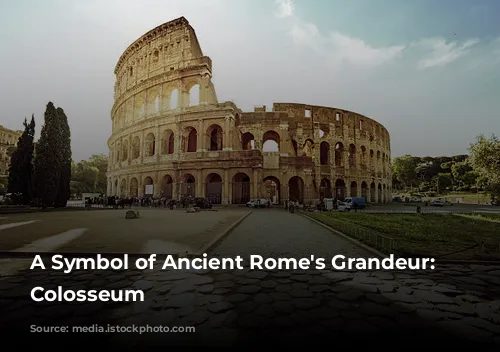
172, 138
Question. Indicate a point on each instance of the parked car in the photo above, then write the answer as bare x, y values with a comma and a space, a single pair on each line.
437, 203
258, 203
351, 203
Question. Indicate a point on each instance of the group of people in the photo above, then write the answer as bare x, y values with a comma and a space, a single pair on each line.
152, 202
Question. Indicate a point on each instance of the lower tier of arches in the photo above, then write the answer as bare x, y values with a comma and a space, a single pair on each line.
239, 186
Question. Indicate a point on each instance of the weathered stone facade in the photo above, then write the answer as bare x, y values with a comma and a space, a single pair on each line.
169, 131
8, 142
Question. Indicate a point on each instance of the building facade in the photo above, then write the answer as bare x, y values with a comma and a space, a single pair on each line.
172, 138
8, 143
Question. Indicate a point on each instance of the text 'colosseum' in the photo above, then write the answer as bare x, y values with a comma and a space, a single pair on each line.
169, 131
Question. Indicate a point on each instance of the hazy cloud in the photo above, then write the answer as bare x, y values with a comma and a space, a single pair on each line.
441, 53
284, 8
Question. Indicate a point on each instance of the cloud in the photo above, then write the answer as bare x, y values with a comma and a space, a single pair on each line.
341, 48
441, 53
356, 51
285, 8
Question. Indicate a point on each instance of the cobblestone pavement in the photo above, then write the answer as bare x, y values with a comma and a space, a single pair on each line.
454, 303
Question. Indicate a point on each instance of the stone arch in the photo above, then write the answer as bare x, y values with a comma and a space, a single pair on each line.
167, 186
174, 99
194, 95
150, 144
215, 137
213, 188
379, 193
136, 147
354, 189
167, 142
296, 189
339, 154
325, 189
247, 141
384, 193
324, 153
271, 141
153, 100
372, 158
352, 155
134, 187
241, 188
378, 155
188, 186
372, 193
340, 189
295, 148
125, 150
123, 188
273, 188
190, 140
364, 190
148, 185
324, 131
363, 155
139, 106
308, 148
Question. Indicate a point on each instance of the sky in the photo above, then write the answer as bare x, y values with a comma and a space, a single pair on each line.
429, 71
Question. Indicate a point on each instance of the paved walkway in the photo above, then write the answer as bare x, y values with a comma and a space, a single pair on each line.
255, 308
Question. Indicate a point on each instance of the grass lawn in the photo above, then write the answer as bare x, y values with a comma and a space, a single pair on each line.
424, 234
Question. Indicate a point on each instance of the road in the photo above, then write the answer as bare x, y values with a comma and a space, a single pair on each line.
287, 307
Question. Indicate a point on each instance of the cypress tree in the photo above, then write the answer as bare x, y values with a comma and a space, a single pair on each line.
21, 166
48, 158
64, 191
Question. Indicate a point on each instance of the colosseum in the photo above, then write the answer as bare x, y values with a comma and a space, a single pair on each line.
172, 138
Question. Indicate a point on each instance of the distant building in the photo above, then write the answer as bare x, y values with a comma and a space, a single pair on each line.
8, 143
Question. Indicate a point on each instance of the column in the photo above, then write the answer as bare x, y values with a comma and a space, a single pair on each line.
225, 192
199, 186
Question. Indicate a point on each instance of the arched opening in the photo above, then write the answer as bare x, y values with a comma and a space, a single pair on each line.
167, 184
325, 189
354, 189
190, 140
271, 142
308, 149
352, 156
123, 189
125, 150
148, 186
157, 103
372, 158
241, 188
150, 144
215, 136
174, 99
167, 142
384, 194
324, 153
134, 187
213, 188
136, 147
372, 192
363, 156
247, 141
296, 189
339, 151
340, 189
364, 191
188, 186
379, 193
194, 95
272, 189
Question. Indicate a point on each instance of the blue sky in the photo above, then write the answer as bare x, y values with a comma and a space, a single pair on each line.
427, 70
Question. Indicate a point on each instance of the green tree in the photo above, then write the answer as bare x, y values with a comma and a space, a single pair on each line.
21, 164
485, 159
47, 157
100, 161
64, 191
84, 178
459, 169
404, 169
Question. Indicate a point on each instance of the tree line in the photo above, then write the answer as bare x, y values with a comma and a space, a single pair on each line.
40, 172
479, 170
